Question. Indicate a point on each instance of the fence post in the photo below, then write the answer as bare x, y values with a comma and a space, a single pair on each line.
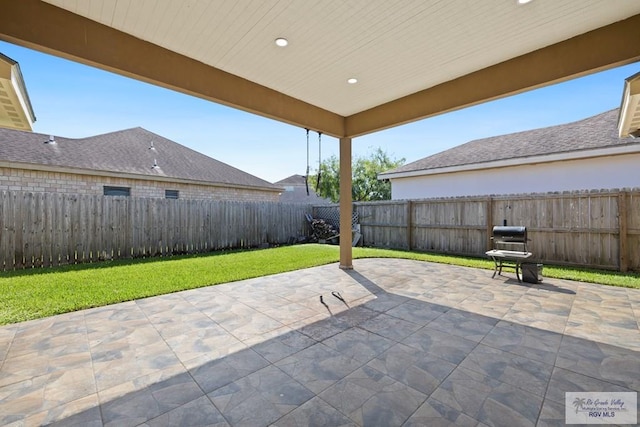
489, 222
622, 231
409, 225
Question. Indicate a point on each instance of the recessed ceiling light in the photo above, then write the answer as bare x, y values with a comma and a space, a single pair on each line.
282, 42
352, 81
524, 1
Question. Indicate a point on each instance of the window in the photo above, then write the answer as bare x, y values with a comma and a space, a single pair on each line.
117, 191
171, 194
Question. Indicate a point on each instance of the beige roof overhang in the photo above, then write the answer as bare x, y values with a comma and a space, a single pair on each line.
154, 42
16, 111
629, 122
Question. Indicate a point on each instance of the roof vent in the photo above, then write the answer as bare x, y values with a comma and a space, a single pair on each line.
151, 147
52, 140
155, 164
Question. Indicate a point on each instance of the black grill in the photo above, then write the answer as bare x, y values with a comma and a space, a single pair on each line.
509, 234
509, 246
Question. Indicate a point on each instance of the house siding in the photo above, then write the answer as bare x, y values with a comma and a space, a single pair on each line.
67, 183
608, 172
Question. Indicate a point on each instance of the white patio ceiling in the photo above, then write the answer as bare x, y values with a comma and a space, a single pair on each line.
393, 48
412, 58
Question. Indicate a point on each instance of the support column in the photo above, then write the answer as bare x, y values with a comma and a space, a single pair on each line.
346, 255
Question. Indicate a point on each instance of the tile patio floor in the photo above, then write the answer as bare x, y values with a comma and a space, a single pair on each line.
414, 344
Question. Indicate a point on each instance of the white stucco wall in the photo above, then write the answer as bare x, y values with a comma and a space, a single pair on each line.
622, 171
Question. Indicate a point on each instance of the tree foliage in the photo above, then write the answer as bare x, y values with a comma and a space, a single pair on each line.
365, 183
329, 187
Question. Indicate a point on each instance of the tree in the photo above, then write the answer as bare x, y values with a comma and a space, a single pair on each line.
365, 184
329, 187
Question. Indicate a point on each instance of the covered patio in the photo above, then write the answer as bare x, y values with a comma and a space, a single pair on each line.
342, 68
413, 343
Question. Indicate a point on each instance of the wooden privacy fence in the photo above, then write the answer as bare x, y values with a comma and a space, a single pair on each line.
47, 229
592, 229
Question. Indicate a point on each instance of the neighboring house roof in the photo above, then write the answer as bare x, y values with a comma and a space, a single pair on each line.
629, 119
16, 111
126, 152
295, 191
593, 133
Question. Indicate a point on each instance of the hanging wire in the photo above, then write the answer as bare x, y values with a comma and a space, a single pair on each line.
306, 178
319, 160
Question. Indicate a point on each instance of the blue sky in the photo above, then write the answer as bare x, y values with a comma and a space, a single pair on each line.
73, 100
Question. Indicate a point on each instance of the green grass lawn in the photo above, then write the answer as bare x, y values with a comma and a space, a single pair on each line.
36, 293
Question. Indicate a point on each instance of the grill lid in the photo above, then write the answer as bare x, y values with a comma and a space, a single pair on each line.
510, 233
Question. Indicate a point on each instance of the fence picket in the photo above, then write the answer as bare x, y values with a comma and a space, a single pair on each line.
574, 228
53, 229
581, 228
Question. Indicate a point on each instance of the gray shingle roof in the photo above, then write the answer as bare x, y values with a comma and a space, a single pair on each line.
292, 180
594, 132
126, 151
295, 191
